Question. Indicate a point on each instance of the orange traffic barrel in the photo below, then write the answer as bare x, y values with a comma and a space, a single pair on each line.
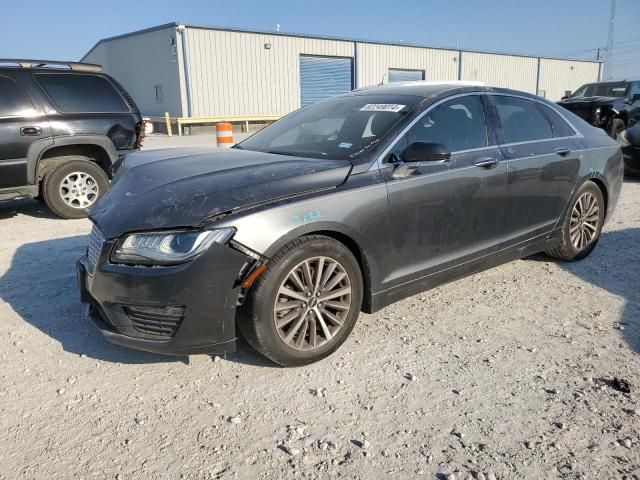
224, 133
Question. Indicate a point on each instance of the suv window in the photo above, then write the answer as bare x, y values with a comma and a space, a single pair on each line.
634, 90
81, 93
458, 124
521, 121
560, 127
13, 100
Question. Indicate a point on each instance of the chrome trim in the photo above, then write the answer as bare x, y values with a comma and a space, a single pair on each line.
378, 163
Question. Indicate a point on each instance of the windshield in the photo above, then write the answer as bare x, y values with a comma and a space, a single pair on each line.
601, 90
339, 128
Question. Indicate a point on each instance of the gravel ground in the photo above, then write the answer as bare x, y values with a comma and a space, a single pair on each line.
504, 374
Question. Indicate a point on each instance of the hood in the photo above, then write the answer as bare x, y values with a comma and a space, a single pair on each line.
587, 102
183, 187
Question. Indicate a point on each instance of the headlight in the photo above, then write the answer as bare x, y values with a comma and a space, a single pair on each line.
167, 248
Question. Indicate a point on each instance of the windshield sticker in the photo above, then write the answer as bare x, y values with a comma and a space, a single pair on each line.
382, 107
345, 145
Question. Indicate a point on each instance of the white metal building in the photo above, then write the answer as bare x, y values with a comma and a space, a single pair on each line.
194, 71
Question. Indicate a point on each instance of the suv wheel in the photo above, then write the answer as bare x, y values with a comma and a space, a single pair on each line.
305, 304
73, 186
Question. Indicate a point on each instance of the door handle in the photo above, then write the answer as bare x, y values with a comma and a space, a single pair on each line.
30, 131
563, 152
486, 162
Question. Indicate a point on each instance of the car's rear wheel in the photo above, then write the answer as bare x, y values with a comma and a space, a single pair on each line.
73, 186
305, 304
582, 224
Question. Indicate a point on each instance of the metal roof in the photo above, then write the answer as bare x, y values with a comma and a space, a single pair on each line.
326, 37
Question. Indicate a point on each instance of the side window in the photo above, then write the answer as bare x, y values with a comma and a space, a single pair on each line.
521, 121
458, 124
13, 100
634, 90
81, 93
560, 127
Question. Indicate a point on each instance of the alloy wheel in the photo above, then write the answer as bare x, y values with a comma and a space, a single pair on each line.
79, 190
585, 219
312, 303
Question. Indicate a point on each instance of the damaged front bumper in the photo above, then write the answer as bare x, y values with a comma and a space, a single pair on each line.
178, 310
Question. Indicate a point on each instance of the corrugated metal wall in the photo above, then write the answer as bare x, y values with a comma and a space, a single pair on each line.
556, 76
140, 62
375, 60
232, 73
507, 71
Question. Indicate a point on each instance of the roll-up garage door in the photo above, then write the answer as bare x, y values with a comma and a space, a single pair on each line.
399, 75
324, 77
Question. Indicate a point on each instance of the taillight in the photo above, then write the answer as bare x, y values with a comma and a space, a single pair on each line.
140, 132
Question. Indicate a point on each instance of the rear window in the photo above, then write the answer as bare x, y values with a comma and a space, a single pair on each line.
560, 127
13, 101
81, 93
521, 121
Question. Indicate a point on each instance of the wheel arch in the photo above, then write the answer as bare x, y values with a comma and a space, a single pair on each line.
348, 239
98, 148
603, 189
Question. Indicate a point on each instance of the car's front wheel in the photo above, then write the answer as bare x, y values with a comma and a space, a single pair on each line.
582, 224
73, 186
305, 304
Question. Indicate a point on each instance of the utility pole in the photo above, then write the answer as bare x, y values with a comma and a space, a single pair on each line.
608, 64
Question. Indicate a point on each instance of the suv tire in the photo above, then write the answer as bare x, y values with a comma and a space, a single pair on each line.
262, 319
73, 186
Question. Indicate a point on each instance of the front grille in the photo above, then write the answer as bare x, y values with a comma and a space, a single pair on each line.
96, 241
162, 321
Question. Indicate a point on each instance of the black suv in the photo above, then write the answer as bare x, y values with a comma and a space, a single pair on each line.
62, 126
612, 106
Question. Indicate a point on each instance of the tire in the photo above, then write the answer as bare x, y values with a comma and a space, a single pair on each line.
569, 248
258, 315
616, 128
90, 177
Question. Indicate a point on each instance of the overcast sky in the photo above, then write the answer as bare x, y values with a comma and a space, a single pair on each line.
67, 29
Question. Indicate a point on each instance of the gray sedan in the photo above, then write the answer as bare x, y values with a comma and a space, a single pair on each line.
344, 206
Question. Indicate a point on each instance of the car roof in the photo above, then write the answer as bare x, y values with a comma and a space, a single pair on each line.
613, 82
425, 89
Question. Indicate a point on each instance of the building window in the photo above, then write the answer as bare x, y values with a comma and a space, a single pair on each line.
405, 75
158, 89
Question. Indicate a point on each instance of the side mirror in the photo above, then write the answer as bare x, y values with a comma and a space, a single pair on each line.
425, 152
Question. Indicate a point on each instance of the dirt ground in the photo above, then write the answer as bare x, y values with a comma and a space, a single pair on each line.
505, 374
